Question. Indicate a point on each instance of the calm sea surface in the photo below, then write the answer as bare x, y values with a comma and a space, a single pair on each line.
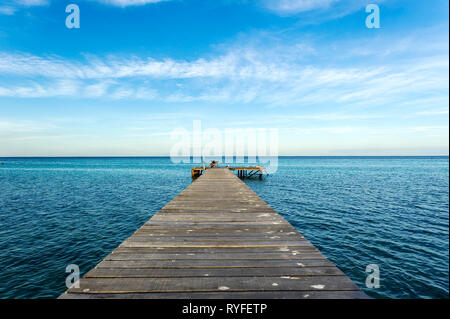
388, 211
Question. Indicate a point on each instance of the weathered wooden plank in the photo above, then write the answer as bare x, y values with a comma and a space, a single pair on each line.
210, 256
216, 219
212, 272
215, 215
214, 263
215, 250
188, 284
222, 239
215, 232
231, 227
262, 295
212, 224
255, 244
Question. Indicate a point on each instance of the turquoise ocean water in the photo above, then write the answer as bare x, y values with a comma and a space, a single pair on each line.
389, 211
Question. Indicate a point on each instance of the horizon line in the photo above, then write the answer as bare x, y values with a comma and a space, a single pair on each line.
211, 156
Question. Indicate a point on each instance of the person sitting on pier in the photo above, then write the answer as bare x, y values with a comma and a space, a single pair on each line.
213, 164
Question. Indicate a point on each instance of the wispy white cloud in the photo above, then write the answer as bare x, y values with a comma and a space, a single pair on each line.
313, 11
295, 6
30, 3
10, 7
24, 126
232, 77
35, 89
442, 130
329, 117
23, 130
433, 112
7, 10
269, 73
126, 3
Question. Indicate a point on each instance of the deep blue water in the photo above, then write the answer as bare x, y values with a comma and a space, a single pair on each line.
390, 211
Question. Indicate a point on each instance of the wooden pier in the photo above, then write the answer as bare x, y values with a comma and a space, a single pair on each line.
242, 171
216, 239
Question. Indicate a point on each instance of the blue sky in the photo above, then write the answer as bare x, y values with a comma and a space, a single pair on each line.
137, 69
